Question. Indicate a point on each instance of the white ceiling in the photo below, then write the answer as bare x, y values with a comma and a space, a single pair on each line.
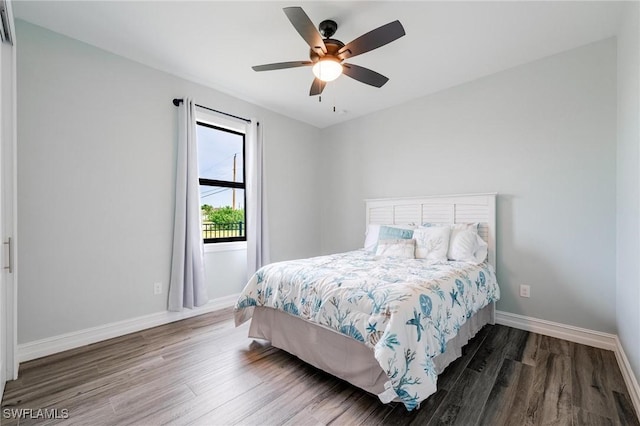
216, 43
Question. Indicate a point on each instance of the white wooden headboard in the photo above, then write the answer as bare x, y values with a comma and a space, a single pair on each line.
465, 208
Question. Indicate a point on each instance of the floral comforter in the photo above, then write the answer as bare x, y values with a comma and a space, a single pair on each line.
404, 309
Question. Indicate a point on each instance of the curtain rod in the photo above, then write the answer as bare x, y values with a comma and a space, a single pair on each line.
177, 102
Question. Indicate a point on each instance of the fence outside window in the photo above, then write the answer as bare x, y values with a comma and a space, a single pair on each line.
222, 230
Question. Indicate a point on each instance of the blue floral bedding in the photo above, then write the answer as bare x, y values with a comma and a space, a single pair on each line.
404, 309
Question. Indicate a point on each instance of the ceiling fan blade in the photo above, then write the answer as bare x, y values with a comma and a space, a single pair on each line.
305, 27
317, 87
364, 75
372, 40
281, 65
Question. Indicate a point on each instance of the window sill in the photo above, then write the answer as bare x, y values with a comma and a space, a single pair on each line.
231, 246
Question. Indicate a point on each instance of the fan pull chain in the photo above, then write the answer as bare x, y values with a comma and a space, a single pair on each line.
320, 98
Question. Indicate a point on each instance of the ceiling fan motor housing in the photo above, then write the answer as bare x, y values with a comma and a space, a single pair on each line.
333, 46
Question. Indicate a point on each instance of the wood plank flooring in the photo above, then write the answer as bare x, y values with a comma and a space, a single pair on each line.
203, 371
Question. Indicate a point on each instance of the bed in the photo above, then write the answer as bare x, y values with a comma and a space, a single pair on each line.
386, 324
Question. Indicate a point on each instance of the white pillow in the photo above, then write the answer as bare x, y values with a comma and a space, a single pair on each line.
403, 249
465, 250
371, 237
373, 232
468, 246
456, 229
482, 252
432, 243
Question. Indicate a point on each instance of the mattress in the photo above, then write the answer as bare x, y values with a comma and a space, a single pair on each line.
403, 310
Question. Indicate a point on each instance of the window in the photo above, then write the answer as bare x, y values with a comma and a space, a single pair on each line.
222, 182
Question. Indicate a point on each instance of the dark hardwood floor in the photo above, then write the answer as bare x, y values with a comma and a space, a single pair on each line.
204, 371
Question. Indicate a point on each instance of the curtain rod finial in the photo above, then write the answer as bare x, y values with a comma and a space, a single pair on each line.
177, 101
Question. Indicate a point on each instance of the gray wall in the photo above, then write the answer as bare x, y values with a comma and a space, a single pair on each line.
543, 136
96, 137
628, 196
96, 166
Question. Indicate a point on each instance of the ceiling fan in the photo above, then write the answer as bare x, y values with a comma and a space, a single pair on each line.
327, 55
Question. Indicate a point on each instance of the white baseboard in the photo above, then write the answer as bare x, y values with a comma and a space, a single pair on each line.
578, 335
571, 333
63, 342
629, 378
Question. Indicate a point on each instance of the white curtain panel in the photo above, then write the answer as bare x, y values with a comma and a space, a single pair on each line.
256, 212
187, 288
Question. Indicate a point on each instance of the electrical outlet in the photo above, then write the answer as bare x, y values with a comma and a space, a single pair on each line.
157, 288
525, 291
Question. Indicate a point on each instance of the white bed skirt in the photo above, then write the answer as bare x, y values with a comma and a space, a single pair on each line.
342, 356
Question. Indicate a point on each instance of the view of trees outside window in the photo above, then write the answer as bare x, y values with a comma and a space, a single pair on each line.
222, 194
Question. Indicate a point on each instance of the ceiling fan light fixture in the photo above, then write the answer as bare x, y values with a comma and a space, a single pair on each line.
327, 69
326, 54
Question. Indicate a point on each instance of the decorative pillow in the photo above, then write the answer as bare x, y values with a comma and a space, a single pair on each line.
402, 248
384, 232
471, 248
398, 233
474, 225
432, 224
432, 243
